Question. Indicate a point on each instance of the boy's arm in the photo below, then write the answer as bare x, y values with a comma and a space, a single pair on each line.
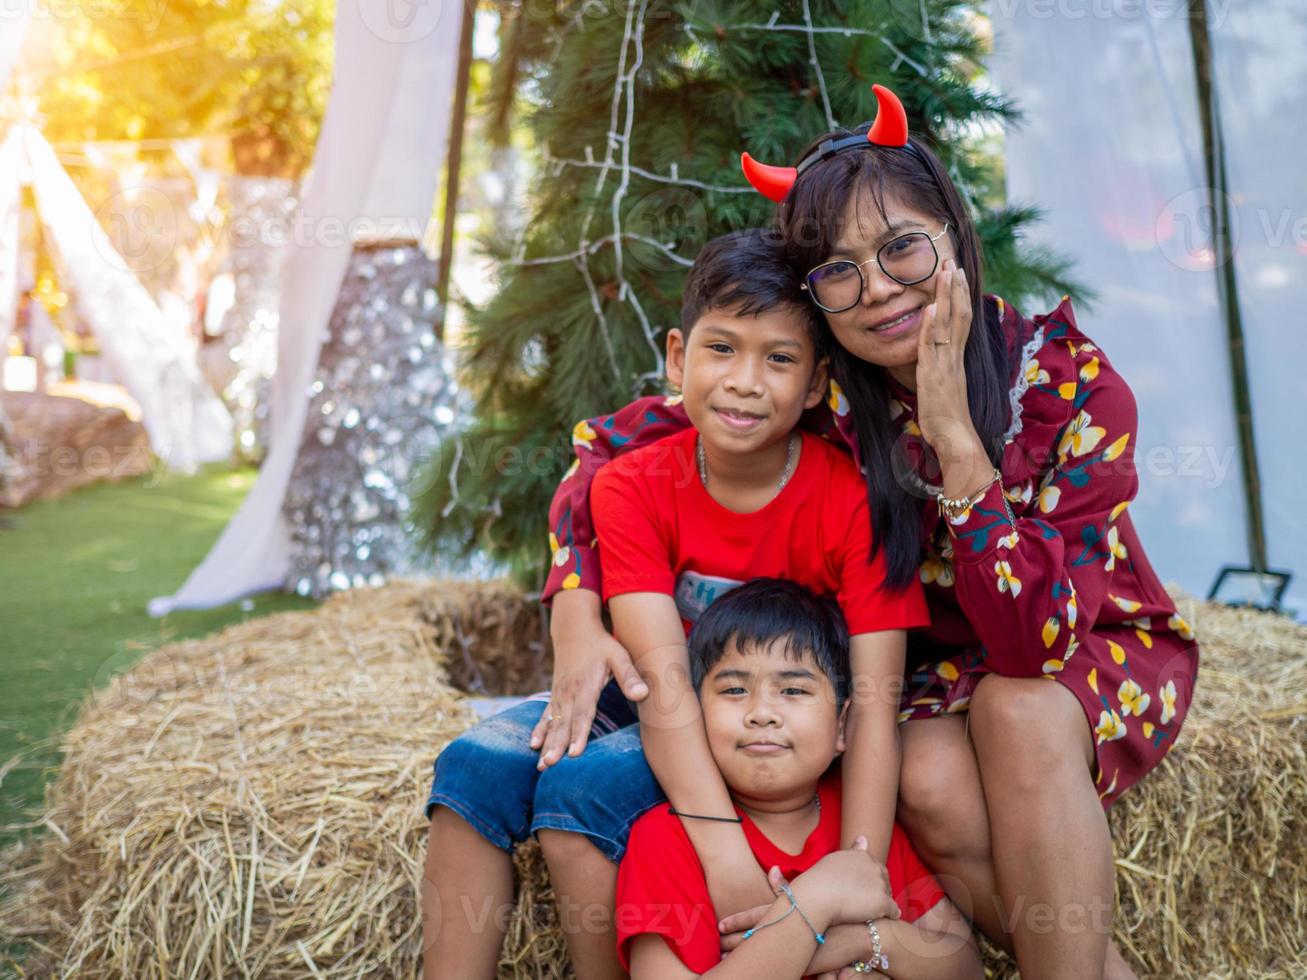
870, 767
676, 745
937, 946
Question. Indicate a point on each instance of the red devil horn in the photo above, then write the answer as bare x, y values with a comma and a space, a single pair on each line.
891, 125
770, 182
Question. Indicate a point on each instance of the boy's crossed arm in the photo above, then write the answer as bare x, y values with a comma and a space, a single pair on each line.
873, 755
676, 745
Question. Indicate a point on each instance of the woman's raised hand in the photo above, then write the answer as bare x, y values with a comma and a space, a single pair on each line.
942, 409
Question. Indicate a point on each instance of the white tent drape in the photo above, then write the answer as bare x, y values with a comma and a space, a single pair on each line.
1111, 148
12, 31
375, 169
153, 357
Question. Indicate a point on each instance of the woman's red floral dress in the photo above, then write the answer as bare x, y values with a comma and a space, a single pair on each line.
1043, 577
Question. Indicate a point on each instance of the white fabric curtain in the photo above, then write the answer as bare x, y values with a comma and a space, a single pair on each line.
13, 29
375, 172
1111, 148
152, 357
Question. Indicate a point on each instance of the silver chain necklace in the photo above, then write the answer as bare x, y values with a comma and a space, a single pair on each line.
785, 474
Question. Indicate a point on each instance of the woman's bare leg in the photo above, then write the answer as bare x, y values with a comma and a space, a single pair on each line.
942, 807
1051, 847
467, 896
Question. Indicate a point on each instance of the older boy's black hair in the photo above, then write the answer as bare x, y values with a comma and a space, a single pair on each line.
747, 272
766, 609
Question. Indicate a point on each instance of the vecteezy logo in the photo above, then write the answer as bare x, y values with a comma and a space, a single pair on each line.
1186, 229
403, 21
140, 225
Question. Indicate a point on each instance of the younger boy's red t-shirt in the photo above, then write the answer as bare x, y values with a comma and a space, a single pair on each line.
659, 530
661, 887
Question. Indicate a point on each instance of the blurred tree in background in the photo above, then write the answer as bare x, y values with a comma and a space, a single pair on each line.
256, 71
638, 111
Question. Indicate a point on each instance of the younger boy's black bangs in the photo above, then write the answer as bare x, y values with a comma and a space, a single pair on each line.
763, 611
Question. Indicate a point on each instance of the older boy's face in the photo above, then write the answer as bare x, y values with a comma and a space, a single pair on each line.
746, 380
772, 725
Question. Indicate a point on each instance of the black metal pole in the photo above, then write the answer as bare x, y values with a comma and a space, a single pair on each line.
454, 160
1227, 284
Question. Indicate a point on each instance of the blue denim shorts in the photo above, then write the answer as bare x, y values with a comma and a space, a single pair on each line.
488, 777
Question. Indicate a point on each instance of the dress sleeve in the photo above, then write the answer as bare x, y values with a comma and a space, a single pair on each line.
575, 562
1033, 586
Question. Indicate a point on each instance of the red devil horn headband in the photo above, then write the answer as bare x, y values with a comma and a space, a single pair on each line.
889, 129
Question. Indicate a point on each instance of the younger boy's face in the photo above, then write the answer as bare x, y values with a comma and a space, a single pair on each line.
772, 724
745, 380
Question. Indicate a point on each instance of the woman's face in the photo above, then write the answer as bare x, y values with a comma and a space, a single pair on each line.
875, 330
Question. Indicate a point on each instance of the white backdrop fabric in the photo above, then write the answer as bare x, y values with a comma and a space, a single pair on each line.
150, 355
375, 171
1111, 148
153, 358
13, 29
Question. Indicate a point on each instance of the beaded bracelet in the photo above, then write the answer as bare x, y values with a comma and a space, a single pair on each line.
878, 961
794, 907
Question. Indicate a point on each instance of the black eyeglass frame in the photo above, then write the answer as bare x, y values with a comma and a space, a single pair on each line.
862, 281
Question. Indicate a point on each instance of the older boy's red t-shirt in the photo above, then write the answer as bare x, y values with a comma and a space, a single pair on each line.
659, 530
661, 888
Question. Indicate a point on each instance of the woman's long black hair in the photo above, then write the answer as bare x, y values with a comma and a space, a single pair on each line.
810, 219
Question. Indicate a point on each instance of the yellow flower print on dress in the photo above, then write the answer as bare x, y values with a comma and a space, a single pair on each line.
1116, 449
947, 671
1089, 371
1048, 498
1052, 667
1117, 511
1020, 494
1125, 605
1036, 375
1081, 436
1133, 699
1110, 727
1167, 694
583, 434
1072, 608
572, 581
937, 569
1115, 549
836, 400
1177, 624
1007, 582
561, 555
1051, 628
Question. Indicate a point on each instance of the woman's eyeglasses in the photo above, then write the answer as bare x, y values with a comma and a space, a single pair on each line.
909, 259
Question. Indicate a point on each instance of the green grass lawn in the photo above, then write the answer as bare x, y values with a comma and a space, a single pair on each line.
75, 575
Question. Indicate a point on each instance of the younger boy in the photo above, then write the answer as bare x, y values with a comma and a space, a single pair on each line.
769, 661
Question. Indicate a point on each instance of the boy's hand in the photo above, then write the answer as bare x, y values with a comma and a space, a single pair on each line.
852, 885
868, 880
585, 657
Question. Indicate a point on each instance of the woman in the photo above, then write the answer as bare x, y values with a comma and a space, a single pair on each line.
998, 454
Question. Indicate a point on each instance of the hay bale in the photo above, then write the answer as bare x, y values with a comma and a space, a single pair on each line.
250, 803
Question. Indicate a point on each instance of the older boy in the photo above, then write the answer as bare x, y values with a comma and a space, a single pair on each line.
742, 494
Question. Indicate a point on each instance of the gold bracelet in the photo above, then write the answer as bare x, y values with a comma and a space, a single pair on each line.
955, 507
